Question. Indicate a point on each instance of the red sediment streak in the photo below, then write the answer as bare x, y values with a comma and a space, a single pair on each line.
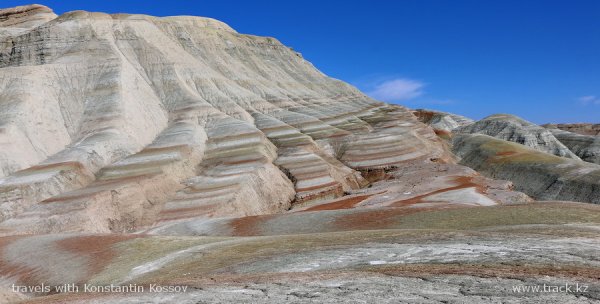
96, 188
503, 156
191, 108
463, 182
245, 161
64, 198
121, 179
178, 148
346, 203
249, 225
335, 191
276, 128
442, 132
365, 156
506, 153
331, 184
8, 269
97, 247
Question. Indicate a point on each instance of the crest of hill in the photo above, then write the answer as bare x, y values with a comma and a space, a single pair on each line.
26, 16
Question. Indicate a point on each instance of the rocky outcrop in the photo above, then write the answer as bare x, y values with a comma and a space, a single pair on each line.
442, 122
512, 128
414, 187
540, 175
25, 17
579, 128
587, 147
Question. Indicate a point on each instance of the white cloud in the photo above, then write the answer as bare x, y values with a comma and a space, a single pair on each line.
397, 90
590, 99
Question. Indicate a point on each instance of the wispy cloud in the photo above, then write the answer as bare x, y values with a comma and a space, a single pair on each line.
399, 89
589, 100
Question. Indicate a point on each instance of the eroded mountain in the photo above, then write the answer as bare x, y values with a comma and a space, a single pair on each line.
176, 151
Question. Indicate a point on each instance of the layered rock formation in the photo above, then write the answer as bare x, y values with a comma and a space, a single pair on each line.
587, 147
25, 17
168, 111
143, 150
512, 128
579, 128
541, 175
442, 121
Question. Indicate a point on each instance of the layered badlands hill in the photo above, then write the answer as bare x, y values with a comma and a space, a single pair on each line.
543, 176
587, 147
176, 151
512, 128
579, 128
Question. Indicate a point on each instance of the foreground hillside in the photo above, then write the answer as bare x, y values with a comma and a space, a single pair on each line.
137, 150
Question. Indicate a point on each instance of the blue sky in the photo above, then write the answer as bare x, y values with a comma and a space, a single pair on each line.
536, 59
